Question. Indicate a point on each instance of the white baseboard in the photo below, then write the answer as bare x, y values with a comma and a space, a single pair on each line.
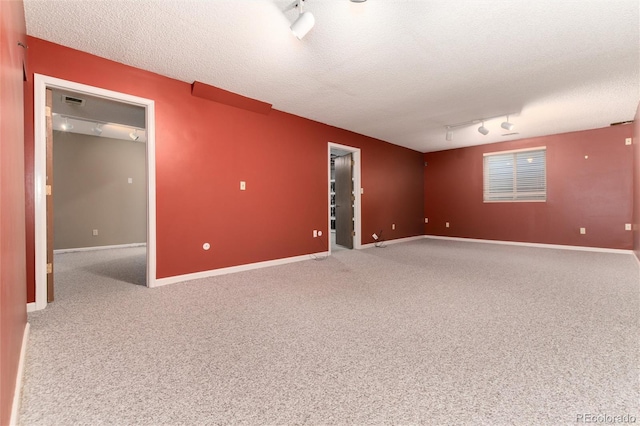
538, 245
31, 307
396, 241
234, 269
17, 393
117, 246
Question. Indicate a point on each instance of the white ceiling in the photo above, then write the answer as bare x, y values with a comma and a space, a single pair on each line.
397, 70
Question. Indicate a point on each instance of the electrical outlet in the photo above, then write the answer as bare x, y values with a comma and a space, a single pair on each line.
393, 226
446, 224
426, 220
315, 233
628, 141
319, 233
130, 180
583, 231
375, 236
95, 232
627, 227
206, 246
243, 185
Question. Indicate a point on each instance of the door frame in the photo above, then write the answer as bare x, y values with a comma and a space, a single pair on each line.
41, 83
357, 185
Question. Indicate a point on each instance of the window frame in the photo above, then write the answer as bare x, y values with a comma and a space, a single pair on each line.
514, 152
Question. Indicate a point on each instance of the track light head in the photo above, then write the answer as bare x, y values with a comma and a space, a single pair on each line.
483, 129
66, 126
303, 25
507, 126
134, 135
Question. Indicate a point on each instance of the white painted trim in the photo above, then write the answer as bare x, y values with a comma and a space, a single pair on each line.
396, 241
31, 307
94, 248
234, 269
538, 245
41, 83
511, 151
357, 184
17, 393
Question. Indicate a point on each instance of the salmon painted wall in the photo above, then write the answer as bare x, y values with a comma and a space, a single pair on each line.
636, 183
204, 149
594, 193
13, 308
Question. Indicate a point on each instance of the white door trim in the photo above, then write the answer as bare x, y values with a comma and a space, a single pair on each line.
41, 83
357, 240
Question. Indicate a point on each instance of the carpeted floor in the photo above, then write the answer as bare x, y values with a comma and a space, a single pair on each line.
427, 332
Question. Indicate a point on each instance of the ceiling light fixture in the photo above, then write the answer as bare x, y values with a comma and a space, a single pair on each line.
134, 135
303, 24
482, 129
97, 129
66, 126
506, 125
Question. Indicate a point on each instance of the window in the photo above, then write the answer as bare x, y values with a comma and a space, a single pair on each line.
516, 175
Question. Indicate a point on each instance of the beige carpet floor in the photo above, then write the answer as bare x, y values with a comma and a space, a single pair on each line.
427, 332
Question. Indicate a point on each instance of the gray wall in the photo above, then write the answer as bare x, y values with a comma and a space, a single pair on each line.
91, 191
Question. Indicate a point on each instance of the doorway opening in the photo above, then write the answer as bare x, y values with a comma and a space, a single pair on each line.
135, 131
344, 197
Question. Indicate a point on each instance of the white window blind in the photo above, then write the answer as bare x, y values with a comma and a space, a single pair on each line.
516, 175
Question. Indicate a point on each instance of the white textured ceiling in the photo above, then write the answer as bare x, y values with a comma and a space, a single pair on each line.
398, 70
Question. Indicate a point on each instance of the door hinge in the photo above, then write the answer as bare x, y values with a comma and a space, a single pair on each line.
48, 189
49, 268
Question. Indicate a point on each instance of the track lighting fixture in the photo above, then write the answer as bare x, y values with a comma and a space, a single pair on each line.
66, 126
97, 129
134, 135
506, 125
482, 129
303, 24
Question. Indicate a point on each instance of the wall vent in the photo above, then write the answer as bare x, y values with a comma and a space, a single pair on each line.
73, 101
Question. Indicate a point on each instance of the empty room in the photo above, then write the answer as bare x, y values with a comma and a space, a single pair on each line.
319, 212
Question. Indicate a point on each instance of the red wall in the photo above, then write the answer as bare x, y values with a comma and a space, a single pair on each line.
636, 183
13, 309
204, 149
594, 193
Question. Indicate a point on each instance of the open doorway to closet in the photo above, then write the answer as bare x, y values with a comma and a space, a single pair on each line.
344, 197
94, 177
